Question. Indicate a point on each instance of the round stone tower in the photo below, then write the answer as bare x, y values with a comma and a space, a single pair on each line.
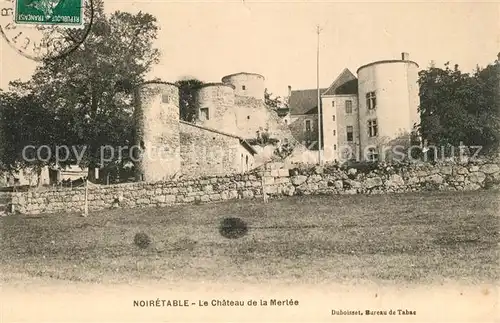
215, 106
157, 151
388, 99
246, 84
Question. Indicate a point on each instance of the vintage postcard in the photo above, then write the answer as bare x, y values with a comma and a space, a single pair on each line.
249, 161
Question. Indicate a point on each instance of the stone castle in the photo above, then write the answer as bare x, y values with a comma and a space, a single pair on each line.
228, 115
361, 116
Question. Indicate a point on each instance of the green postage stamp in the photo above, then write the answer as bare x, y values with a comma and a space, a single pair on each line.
49, 12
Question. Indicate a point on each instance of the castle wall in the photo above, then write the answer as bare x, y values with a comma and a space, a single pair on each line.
204, 152
218, 100
157, 131
253, 115
299, 133
246, 84
414, 94
396, 89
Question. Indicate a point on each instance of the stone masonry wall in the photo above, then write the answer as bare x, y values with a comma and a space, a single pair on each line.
156, 120
274, 181
204, 152
253, 115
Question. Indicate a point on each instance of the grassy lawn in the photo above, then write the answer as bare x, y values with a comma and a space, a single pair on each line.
414, 238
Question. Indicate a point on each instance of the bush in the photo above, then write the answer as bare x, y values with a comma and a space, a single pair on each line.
331, 168
362, 167
233, 228
142, 240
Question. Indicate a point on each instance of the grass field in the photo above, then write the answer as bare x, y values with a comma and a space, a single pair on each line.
414, 238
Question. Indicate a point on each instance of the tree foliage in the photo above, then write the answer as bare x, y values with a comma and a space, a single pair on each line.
273, 102
460, 108
83, 99
187, 109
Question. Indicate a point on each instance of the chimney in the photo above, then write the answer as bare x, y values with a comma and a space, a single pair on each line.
289, 90
405, 56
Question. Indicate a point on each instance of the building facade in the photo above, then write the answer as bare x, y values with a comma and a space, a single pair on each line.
363, 117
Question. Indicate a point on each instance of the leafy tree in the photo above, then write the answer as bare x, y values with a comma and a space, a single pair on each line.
457, 107
23, 124
187, 110
272, 102
88, 94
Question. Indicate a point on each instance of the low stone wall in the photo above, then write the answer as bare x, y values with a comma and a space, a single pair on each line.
384, 179
272, 182
139, 194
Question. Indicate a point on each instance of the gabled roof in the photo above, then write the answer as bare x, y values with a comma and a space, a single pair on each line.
345, 83
304, 101
243, 142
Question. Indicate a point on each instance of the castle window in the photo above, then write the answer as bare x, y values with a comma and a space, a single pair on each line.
372, 154
333, 104
350, 133
165, 98
371, 100
334, 132
243, 87
248, 117
348, 106
334, 147
333, 118
308, 126
372, 128
204, 115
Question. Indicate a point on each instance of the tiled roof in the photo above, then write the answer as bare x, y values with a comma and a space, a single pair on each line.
346, 83
304, 101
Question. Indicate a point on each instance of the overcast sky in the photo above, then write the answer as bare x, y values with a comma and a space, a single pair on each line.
209, 39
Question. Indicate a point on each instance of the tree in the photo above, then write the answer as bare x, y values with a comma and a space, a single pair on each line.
273, 103
88, 93
187, 108
23, 124
458, 108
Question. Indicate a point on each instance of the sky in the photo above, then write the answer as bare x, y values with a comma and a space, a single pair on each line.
210, 39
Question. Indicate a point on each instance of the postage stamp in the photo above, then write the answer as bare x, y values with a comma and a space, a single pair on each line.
45, 29
49, 12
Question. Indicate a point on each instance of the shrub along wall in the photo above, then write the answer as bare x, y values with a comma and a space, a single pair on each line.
277, 182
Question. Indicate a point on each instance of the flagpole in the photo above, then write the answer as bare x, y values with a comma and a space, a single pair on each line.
320, 123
